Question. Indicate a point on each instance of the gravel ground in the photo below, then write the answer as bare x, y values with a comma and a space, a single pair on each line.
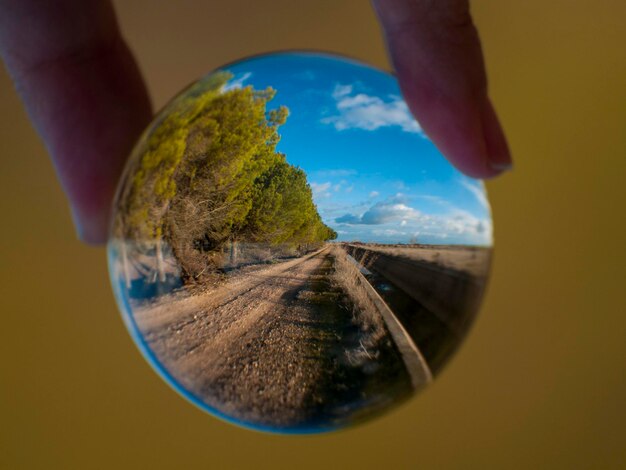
276, 347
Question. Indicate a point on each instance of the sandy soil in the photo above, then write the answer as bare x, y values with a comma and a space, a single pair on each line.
277, 347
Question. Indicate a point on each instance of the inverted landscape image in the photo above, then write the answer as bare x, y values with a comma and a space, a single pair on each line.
290, 251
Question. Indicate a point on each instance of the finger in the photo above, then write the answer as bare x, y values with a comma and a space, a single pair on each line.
437, 56
84, 93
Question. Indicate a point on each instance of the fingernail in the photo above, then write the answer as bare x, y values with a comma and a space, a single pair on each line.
88, 230
498, 153
501, 166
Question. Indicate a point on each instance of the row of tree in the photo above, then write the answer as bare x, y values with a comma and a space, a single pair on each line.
207, 174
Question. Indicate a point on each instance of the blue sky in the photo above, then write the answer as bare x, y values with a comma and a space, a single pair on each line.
375, 176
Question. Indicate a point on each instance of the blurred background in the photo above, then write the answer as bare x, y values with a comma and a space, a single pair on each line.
540, 381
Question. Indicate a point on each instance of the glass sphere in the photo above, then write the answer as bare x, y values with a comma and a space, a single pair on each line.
290, 251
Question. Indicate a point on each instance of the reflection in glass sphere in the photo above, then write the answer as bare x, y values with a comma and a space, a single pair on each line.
289, 250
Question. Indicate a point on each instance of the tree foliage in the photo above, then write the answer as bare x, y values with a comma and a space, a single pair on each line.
208, 171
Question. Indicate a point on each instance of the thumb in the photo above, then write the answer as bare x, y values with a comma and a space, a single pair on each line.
436, 52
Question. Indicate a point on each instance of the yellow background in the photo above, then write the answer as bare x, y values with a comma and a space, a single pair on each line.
540, 382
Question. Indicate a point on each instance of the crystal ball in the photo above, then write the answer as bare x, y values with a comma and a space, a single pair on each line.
289, 250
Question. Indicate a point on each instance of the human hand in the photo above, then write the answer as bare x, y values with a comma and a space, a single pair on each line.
85, 95
436, 53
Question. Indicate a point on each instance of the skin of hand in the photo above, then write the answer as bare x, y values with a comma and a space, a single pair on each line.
86, 97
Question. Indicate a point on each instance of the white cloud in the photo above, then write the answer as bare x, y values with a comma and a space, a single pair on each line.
431, 198
341, 90
391, 210
362, 111
478, 190
394, 216
374, 194
461, 222
389, 232
384, 213
334, 173
350, 219
321, 189
237, 82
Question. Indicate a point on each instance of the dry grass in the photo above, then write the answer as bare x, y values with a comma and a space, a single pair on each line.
473, 260
365, 315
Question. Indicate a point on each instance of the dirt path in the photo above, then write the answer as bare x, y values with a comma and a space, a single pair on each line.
277, 347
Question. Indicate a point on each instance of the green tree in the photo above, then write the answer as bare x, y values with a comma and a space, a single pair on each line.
208, 170
228, 146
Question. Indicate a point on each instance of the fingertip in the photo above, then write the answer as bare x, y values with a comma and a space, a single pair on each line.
475, 166
498, 152
501, 167
84, 93
438, 61
90, 229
